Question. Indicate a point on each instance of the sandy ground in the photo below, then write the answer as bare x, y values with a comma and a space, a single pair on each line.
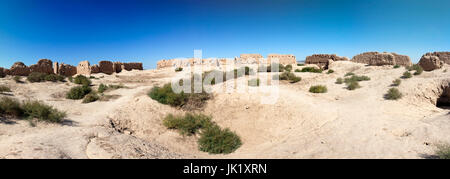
336, 124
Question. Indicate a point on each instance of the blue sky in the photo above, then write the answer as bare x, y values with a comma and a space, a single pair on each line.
70, 31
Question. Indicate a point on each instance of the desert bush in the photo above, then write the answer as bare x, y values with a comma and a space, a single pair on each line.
349, 74
218, 141
253, 82
51, 77
289, 76
300, 64
357, 78
36, 77
82, 80
406, 74
288, 68
10, 106
91, 97
298, 70
102, 88
41, 111
443, 152
318, 89
178, 69
4, 88
353, 85
330, 71
17, 79
311, 69
396, 82
70, 78
165, 95
339, 81
393, 94
189, 124
78, 92
419, 70
396, 66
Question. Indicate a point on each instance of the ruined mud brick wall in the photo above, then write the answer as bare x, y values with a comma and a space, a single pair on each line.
377, 59
322, 60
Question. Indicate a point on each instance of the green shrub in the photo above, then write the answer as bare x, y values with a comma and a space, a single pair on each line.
289, 76
396, 82
295, 79
41, 111
18, 79
10, 106
70, 78
407, 74
253, 82
300, 64
353, 85
102, 88
91, 97
165, 95
443, 151
4, 88
298, 70
330, 71
188, 124
36, 77
178, 69
393, 94
339, 81
349, 74
419, 70
78, 92
318, 89
51, 77
288, 68
82, 80
311, 69
218, 141
396, 66
356, 78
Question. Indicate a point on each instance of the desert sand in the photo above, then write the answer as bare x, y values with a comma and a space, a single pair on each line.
336, 124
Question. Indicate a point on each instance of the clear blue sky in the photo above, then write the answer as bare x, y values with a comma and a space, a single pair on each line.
143, 30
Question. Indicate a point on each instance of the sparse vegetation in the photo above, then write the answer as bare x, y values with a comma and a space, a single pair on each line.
356, 78
30, 109
443, 151
43, 112
215, 140
178, 69
417, 68
318, 89
349, 74
352, 85
18, 79
253, 82
406, 74
91, 97
70, 78
82, 80
10, 107
288, 76
300, 64
393, 94
396, 82
330, 71
165, 95
78, 92
212, 139
396, 66
4, 88
339, 81
311, 69
35, 77
298, 70
102, 88
288, 68
188, 124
